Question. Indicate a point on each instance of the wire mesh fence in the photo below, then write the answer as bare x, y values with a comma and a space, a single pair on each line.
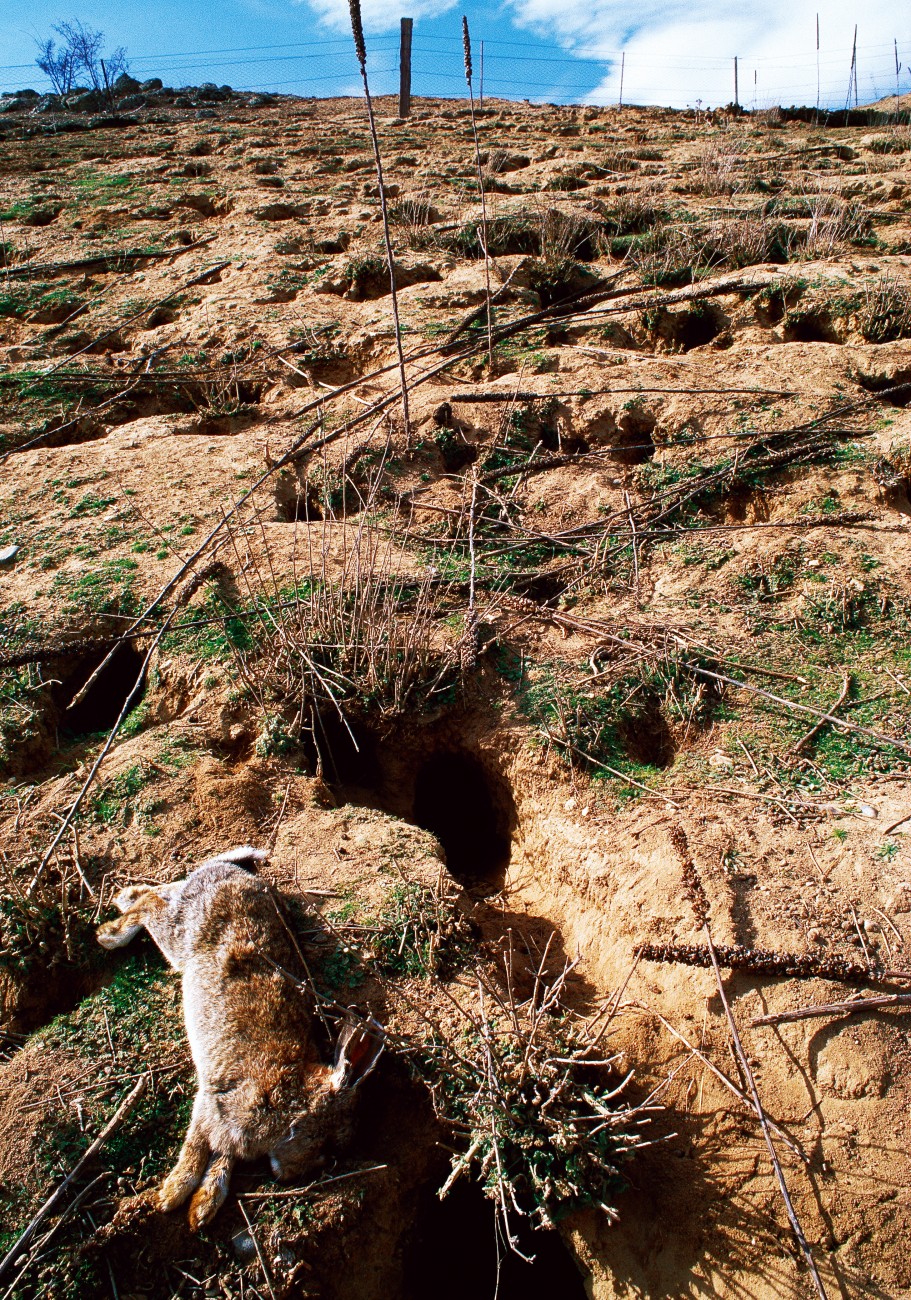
529, 70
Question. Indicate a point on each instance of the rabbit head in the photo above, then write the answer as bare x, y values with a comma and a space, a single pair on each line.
328, 1118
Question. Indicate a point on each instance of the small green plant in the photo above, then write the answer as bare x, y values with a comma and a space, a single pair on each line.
112, 803
541, 1128
422, 934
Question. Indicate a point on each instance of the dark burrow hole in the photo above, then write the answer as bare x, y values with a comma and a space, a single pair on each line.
454, 1249
455, 800
647, 738
634, 444
684, 330
345, 754
292, 506
809, 327
452, 795
894, 389
697, 327
101, 707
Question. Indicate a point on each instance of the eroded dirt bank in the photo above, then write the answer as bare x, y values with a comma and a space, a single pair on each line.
467, 681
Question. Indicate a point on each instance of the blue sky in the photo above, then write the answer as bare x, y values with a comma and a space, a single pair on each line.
676, 53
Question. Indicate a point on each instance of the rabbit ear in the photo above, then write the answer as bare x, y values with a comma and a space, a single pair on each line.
359, 1047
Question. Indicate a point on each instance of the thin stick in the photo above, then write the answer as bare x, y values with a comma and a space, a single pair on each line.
357, 31
817, 727
802, 708
259, 1253
53, 1200
764, 1123
52, 1232
835, 1009
74, 806
310, 1187
719, 1074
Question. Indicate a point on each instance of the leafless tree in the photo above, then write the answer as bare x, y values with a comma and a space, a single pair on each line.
79, 55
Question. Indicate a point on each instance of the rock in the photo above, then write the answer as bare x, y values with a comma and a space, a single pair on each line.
244, 1246
9, 553
282, 211
127, 85
93, 101
153, 83
130, 102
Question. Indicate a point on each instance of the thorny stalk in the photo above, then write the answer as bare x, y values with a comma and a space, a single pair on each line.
357, 30
466, 42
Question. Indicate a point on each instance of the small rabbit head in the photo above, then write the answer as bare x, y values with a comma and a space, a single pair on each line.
328, 1117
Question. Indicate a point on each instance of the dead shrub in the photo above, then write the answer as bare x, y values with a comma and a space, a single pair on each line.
719, 169
885, 311
834, 222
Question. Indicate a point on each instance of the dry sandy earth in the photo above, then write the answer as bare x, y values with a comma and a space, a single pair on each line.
724, 452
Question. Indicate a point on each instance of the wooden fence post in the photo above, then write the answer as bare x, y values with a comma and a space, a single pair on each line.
405, 68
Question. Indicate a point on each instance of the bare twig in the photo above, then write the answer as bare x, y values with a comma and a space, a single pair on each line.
835, 1009
719, 1074
817, 727
778, 965
25, 1237
764, 1124
256, 1247
466, 43
700, 905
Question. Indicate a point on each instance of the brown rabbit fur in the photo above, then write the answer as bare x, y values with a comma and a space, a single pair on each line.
262, 1088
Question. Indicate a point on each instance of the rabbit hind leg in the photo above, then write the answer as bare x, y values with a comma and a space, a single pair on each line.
210, 1195
191, 1167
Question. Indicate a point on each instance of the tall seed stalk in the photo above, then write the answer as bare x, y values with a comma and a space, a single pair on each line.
357, 31
466, 42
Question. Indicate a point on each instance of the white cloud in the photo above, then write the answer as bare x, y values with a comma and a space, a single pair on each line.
677, 53
377, 15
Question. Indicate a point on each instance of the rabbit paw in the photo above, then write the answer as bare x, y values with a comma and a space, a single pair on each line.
176, 1188
211, 1194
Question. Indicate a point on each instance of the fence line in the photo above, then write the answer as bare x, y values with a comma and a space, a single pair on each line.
520, 70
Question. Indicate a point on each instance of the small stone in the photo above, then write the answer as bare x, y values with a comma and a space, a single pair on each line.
243, 1244
9, 553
